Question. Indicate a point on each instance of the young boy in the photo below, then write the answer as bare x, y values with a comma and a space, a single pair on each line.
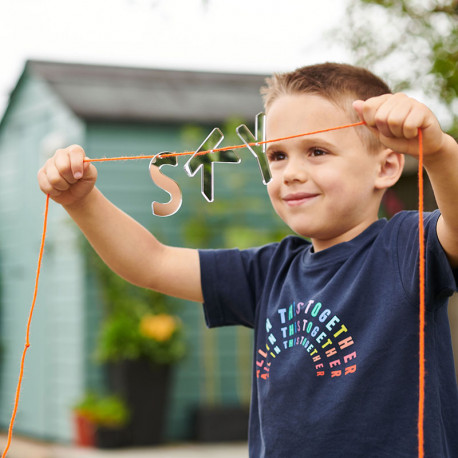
335, 319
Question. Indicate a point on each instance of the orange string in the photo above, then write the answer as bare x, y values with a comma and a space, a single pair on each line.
27, 341
421, 260
421, 241
225, 148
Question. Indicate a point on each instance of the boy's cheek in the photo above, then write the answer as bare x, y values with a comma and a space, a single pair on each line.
271, 188
271, 198
274, 193
274, 197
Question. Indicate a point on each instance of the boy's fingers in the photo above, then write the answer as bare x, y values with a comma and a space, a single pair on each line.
387, 116
60, 170
77, 156
392, 115
374, 113
44, 184
413, 121
62, 163
55, 178
370, 107
66, 177
358, 106
47, 179
394, 120
421, 118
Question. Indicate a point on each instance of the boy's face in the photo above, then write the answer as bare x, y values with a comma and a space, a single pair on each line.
323, 185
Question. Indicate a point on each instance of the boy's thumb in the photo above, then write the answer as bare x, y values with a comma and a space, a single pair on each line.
358, 106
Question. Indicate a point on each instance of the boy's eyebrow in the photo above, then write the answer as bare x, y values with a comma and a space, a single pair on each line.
305, 141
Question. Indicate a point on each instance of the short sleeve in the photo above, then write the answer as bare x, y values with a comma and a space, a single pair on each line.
440, 278
232, 281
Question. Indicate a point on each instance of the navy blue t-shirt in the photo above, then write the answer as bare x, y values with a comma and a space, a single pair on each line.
335, 371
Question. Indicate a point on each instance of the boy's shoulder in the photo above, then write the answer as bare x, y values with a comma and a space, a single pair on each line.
410, 219
395, 234
400, 231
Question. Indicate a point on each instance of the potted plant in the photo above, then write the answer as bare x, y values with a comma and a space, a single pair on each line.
83, 416
112, 417
101, 421
220, 417
139, 342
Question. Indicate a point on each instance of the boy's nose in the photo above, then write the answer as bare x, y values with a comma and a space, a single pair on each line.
295, 171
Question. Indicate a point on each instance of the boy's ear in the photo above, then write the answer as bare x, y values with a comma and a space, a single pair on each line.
391, 165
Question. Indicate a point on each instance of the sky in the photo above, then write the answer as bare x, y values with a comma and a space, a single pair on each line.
254, 36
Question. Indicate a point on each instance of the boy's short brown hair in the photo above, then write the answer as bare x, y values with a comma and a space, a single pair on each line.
341, 84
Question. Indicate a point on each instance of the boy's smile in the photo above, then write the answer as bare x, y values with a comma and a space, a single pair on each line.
324, 186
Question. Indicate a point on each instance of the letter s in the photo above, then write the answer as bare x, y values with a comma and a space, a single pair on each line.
165, 183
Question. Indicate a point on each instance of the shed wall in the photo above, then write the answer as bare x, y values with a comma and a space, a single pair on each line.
35, 121
217, 369
59, 364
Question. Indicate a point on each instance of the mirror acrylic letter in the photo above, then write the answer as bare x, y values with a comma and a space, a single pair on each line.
258, 151
203, 159
204, 162
167, 184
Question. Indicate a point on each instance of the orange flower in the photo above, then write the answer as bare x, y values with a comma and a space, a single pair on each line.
158, 327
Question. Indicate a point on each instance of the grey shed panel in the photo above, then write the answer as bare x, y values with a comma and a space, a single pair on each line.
136, 94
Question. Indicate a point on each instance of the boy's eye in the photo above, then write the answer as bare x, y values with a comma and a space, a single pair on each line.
276, 156
315, 152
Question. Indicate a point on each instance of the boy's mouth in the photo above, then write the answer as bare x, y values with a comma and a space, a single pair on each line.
298, 198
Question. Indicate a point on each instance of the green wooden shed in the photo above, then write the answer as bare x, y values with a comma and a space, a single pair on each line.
114, 111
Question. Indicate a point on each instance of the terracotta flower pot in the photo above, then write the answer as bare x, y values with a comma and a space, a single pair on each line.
84, 431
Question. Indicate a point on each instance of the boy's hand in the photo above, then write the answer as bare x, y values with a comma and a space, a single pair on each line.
395, 120
66, 177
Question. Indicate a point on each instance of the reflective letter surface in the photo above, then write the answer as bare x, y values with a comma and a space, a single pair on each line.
167, 184
206, 161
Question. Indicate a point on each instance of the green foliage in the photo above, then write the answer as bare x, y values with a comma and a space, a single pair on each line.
412, 43
121, 338
133, 318
237, 217
241, 216
121, 296
108, 411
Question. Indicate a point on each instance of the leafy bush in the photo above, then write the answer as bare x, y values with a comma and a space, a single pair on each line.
108, 411
137, 323
136, 336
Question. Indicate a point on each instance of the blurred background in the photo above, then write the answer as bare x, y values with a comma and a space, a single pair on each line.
131, 77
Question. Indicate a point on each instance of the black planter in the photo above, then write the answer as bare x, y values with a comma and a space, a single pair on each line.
145, 389
221, 423
106, 437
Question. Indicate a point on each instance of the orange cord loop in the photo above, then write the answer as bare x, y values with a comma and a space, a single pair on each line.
421, 398
27, 344
421, 242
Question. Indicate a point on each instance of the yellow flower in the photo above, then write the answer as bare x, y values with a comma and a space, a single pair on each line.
158, 327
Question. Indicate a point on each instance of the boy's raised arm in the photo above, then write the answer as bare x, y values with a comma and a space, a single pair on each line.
395, 119
125, 245
442, 169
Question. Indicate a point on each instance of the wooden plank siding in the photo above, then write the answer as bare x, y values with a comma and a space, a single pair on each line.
53, 370
130, 187
60, 365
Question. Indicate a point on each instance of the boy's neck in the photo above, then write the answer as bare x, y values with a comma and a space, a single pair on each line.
323, 244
